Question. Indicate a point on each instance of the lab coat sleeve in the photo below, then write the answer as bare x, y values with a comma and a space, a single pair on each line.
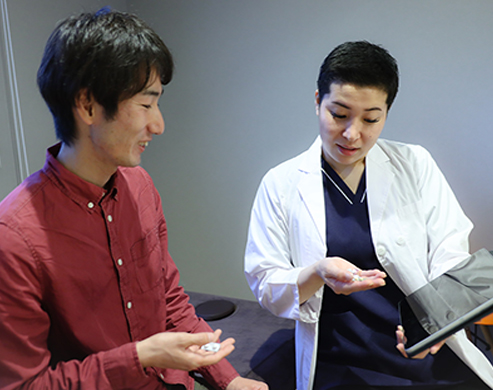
269, 266
448, 228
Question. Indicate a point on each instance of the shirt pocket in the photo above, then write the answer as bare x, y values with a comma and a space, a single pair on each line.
147, 257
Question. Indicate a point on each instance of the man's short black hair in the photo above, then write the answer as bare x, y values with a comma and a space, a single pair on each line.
362, 64
109, 55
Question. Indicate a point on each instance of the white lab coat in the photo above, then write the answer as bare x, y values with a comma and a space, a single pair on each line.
418, 230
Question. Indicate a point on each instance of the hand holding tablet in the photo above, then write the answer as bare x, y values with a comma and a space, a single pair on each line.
459, 297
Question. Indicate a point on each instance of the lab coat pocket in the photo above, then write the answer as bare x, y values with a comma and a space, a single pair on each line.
146, 254
412, 226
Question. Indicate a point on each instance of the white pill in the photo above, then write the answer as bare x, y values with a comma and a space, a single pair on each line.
211, 347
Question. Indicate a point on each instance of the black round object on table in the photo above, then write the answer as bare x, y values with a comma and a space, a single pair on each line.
215, 309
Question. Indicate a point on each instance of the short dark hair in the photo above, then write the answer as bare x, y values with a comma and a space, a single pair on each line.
360, 63
109, 54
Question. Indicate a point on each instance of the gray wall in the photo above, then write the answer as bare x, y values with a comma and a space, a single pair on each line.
30, 22
9, 176
242, 101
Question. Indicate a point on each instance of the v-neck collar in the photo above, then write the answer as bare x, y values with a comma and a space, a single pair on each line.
341, 185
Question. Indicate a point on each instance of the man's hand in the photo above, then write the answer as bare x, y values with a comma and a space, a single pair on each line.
345, 278
401, 342
240, 383
181, 351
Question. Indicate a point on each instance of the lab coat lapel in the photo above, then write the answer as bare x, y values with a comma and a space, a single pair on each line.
379, 181
310, 188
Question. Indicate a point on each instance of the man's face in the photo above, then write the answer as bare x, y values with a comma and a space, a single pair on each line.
121, 141
351, 119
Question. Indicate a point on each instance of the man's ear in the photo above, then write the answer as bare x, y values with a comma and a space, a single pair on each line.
84, 107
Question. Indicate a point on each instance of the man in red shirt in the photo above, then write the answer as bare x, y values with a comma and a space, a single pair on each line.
89, 295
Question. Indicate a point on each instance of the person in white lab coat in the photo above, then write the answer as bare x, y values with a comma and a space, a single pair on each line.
342, 232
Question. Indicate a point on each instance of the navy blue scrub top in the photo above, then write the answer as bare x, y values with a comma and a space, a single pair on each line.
356, 344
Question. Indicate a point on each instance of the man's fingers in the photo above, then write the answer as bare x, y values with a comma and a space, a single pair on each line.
205, 358
203, 338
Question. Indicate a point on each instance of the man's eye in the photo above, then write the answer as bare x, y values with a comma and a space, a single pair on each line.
372, 120
146, 106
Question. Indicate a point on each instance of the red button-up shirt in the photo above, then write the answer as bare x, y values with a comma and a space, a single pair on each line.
85, 273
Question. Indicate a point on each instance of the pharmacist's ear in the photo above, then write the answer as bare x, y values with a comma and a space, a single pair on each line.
317, 102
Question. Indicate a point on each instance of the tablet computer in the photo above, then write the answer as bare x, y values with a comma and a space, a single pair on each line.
449, 303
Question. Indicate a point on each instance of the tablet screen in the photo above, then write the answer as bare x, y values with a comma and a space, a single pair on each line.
452, 301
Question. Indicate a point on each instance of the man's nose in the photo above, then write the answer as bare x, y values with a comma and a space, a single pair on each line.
156, 126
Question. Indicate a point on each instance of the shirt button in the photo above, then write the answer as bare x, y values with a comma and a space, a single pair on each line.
90, 205
110, 218
451, 316
401, 241
432, 328
161, 376
129, 305
381, 251
120, 262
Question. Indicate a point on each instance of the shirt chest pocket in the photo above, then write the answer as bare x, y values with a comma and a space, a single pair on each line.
147, 257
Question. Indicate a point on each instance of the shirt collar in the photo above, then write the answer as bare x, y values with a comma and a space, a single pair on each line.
78, 189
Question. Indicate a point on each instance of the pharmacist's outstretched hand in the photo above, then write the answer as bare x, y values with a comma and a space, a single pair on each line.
345, 278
